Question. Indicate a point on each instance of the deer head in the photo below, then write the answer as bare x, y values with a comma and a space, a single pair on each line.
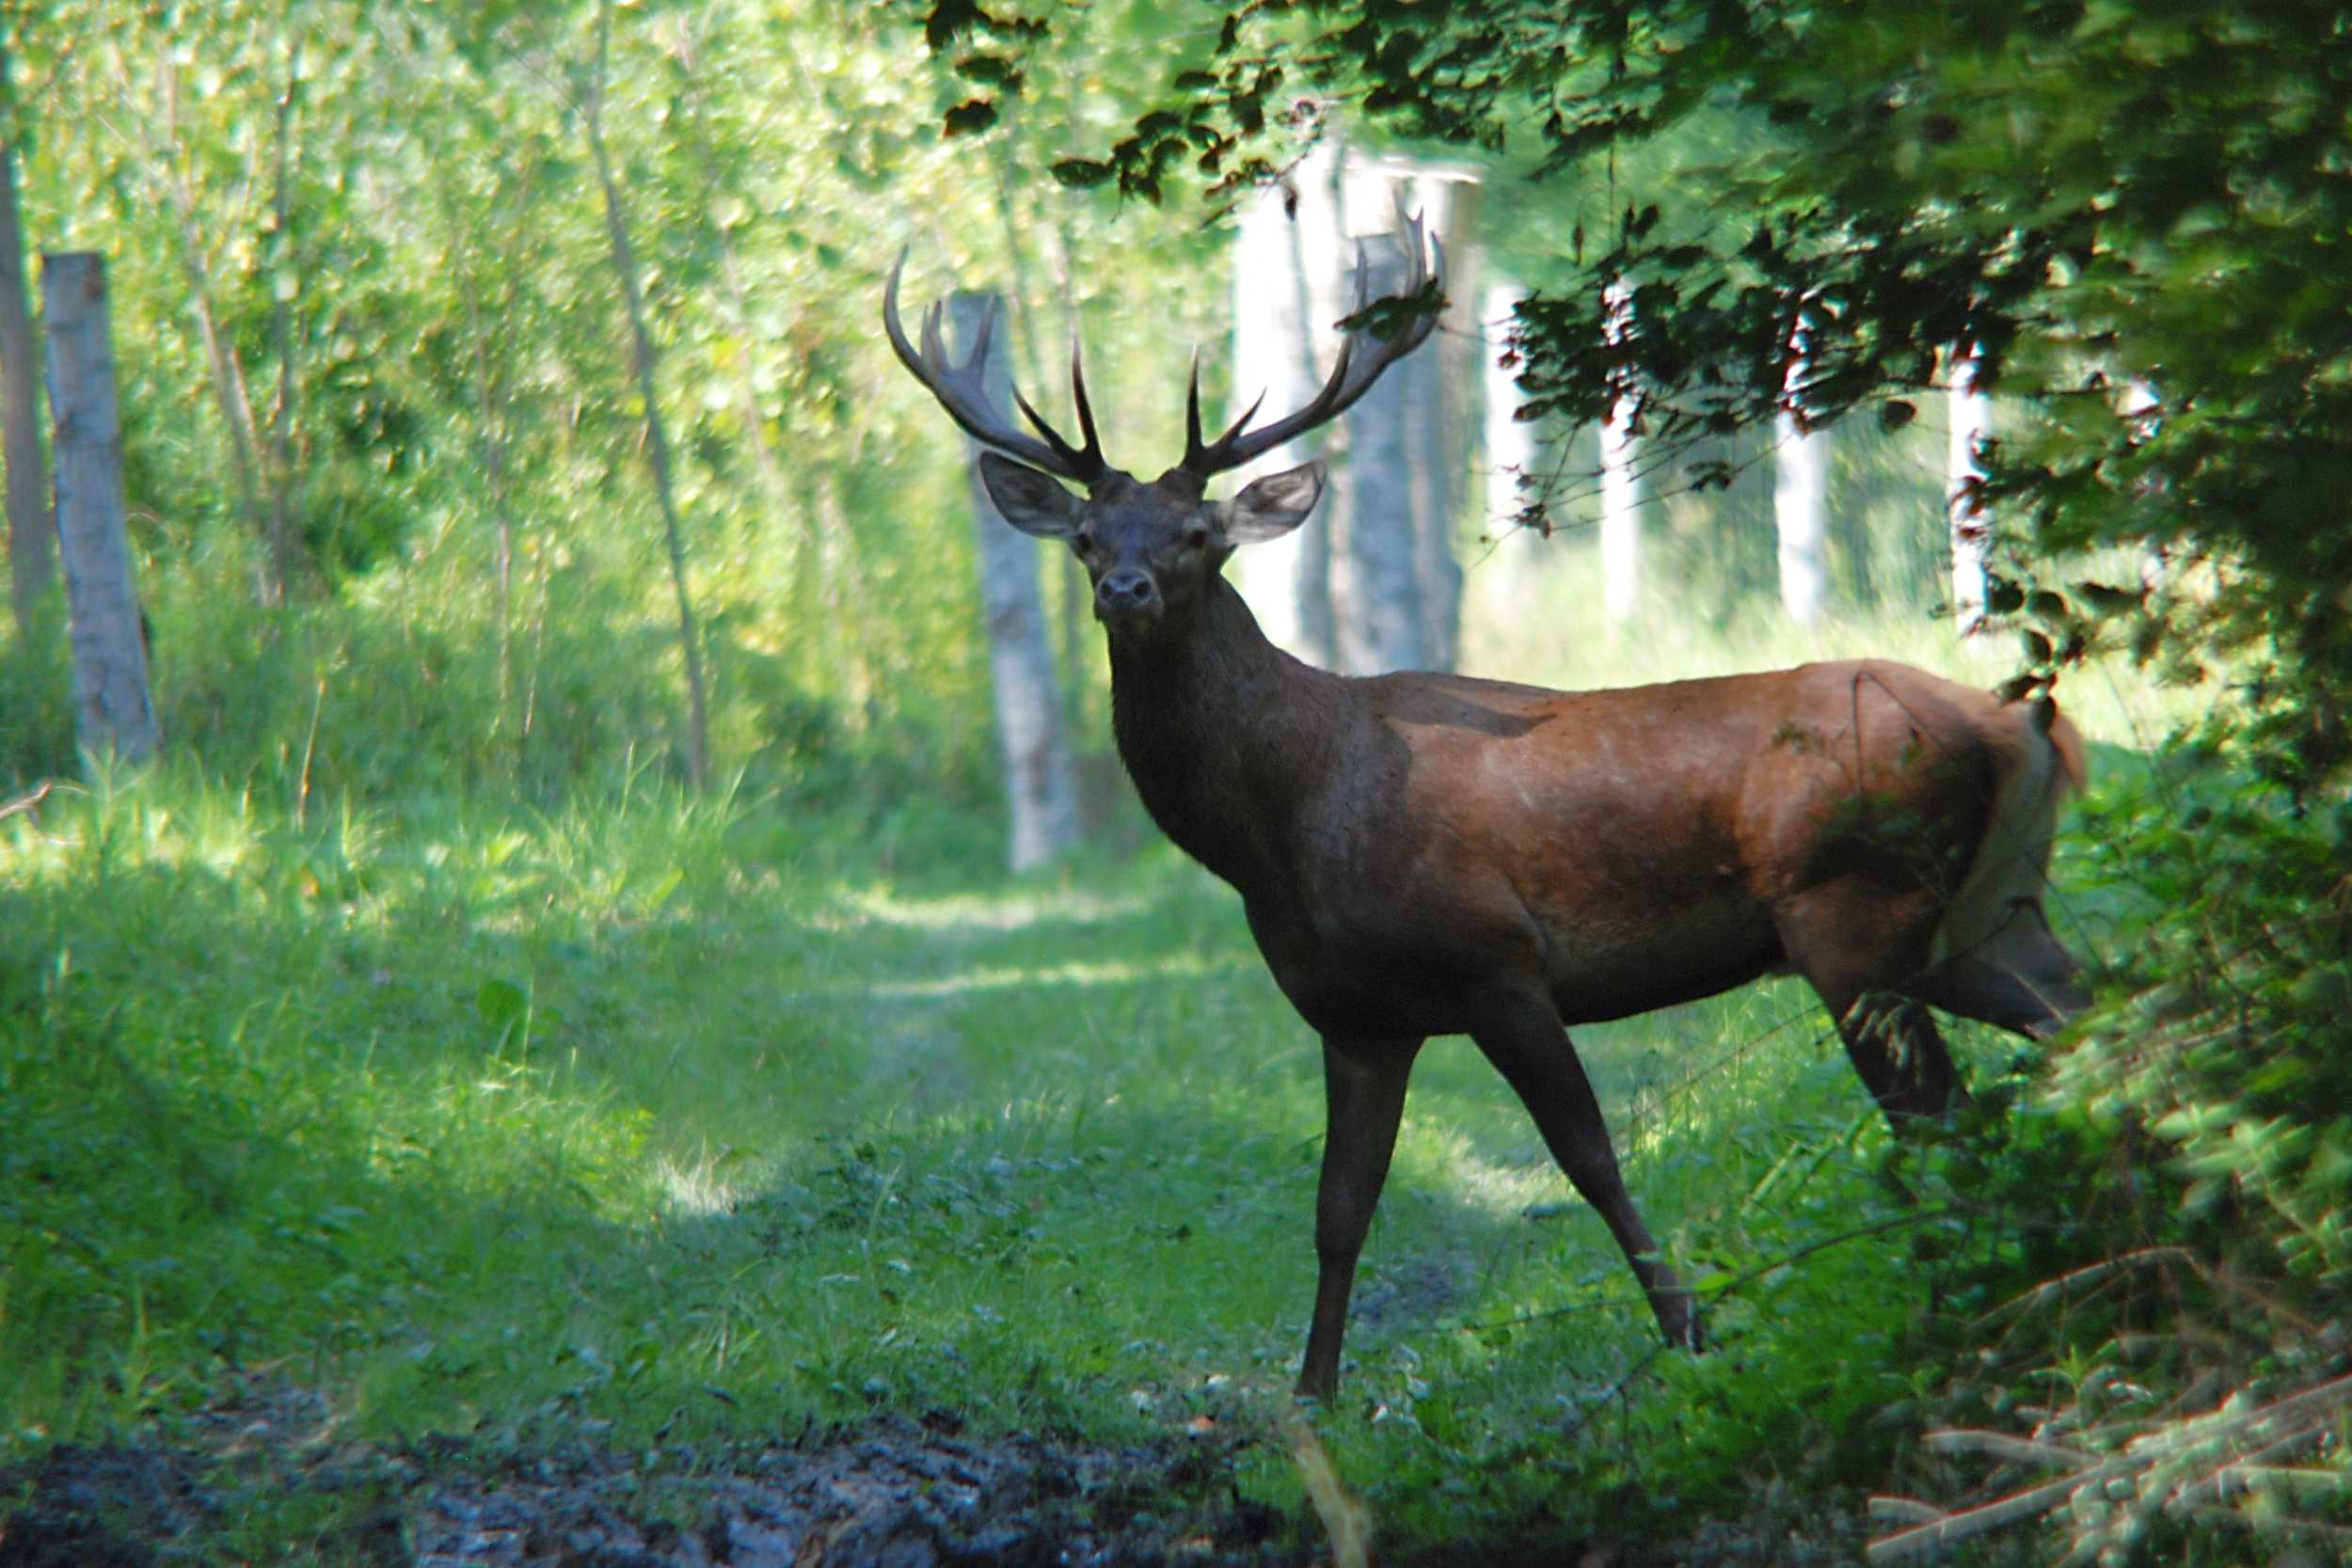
1152, 548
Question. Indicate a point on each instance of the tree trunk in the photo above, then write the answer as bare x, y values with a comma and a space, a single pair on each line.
1382, 626
115, 715
1286, 268
1970, 427
1620, 498
281, 413
1073, 591
489, 404
1800, 514
32, 532
1449, 204
1508, 582
1508, 443
229, 389
1041, 790
643, 357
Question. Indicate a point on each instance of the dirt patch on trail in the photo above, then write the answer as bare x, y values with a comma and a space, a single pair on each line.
894, 1497
265, 1476
890, 1495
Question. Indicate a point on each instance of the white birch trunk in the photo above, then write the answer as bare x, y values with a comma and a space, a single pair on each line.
1041, 790
1509, 443
1285, 300
1620, 497
1800, 514
1406, 445
1971, 426
32, 536
1508, 576
1442, 415
1381, 625
114, 712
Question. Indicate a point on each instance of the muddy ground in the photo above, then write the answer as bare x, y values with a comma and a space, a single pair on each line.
892, 1495
267, 1480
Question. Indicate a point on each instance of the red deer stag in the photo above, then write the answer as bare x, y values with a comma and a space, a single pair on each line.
1427, 854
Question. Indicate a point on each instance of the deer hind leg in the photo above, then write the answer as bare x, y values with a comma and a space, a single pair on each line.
1523, 1036
1363, 1082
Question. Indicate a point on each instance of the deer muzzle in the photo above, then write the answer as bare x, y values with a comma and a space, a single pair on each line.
1128, 594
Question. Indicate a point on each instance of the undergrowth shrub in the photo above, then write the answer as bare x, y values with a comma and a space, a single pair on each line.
397, 683
2158, 1361
36, 703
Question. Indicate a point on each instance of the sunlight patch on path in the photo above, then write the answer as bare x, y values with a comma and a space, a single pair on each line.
1505, 1189
700, 1191
972, 912
998, 977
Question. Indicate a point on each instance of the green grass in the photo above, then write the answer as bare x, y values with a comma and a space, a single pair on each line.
656, 1115
506, 1120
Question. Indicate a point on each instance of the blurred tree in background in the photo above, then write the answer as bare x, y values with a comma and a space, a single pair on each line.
386, 437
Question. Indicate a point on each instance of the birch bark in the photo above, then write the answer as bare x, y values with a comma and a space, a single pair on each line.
1041, 789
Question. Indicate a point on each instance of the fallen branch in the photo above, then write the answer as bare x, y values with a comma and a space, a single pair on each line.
28, 800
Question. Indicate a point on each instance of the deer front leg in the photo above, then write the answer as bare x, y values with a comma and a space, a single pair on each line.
1522, 1035
1901, 1055
1363, 1082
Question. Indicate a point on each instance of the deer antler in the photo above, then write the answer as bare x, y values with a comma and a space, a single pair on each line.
960, 392
1351, 376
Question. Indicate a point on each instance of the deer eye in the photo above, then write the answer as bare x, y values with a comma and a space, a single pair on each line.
1084, 541
1196, 537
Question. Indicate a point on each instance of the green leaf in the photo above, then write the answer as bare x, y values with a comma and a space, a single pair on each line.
969, 117
996, 71
1080, 173
2106, 600
501, 1003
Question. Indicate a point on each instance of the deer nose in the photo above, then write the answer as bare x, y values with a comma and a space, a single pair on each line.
1125, 590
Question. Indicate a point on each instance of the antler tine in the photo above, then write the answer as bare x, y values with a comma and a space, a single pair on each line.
1351, 375
1079, 395
1194, 448
1412, 222
975, 360
1090, 457
1191, 406
1196, 451
935, 353
963, 391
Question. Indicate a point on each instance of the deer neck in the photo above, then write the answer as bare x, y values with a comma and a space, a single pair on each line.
1224, 733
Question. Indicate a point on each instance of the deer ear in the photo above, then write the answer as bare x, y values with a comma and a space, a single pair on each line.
1270, 507
1028, 500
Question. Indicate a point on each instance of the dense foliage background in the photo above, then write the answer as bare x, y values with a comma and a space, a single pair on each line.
501, 698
